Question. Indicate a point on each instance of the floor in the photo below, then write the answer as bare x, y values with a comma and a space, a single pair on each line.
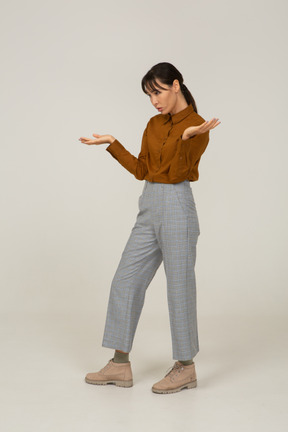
241, 368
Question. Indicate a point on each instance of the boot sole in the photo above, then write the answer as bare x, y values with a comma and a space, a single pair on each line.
117, 383
190, 385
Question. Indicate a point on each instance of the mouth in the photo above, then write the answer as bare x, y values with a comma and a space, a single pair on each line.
160, 109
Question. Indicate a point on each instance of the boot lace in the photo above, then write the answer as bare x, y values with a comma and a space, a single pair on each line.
176, 368
107, 366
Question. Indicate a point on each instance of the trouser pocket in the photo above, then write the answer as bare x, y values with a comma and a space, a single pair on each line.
185, 199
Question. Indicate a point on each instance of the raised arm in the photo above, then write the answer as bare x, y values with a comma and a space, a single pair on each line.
136, 166
197, 130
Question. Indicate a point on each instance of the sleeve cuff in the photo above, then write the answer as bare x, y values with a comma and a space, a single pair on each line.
116, 149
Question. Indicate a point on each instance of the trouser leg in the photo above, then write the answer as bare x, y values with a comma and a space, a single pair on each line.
139, 263
178, 237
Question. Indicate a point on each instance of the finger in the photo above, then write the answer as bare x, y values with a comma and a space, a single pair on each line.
89, 142
206, 124
212, 123
216, 125
216, 120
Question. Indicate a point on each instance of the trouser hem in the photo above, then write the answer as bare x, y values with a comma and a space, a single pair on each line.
116, 346
185, 357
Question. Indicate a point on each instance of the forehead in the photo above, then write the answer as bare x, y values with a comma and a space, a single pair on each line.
155, 85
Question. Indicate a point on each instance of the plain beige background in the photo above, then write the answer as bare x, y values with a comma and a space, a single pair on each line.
70, 69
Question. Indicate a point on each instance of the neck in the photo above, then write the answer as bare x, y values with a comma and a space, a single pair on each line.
179, 105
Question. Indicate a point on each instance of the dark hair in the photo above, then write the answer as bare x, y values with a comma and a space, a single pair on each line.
166, 73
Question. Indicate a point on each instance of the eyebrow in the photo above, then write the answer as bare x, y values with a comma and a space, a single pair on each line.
153, 91
153, 86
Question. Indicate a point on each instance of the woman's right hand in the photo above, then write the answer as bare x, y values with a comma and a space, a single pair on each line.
99, 139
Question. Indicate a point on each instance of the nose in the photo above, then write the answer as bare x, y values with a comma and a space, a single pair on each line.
154, 100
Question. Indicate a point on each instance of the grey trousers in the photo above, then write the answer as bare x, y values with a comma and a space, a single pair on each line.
167, 230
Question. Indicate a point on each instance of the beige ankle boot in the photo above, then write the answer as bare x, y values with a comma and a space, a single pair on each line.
178, 378
119, 374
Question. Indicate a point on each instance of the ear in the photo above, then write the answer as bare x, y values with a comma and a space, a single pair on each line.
176, 86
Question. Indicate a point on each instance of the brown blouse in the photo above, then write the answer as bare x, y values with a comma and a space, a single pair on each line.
164, 156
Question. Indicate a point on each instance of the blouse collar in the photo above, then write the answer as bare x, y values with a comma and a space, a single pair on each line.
178, 117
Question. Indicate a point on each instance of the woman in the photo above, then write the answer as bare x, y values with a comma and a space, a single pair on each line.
166, 229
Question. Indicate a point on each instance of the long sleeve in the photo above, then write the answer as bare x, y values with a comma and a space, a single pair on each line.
136, 166
165, 157
191, 151
196, 145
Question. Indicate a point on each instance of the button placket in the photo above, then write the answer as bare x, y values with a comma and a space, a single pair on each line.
163, 144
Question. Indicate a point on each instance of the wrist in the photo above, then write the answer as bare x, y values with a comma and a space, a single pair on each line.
111, 140
185, 136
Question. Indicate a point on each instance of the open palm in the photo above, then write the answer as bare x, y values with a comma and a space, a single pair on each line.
99, 139
204, 127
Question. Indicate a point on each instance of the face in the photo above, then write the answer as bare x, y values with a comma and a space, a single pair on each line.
165, 99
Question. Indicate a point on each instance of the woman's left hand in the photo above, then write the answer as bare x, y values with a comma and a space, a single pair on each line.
197, 130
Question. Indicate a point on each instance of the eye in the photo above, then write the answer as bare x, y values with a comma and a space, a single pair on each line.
155, 92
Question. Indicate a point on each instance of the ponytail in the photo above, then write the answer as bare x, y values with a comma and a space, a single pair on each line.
188, 96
